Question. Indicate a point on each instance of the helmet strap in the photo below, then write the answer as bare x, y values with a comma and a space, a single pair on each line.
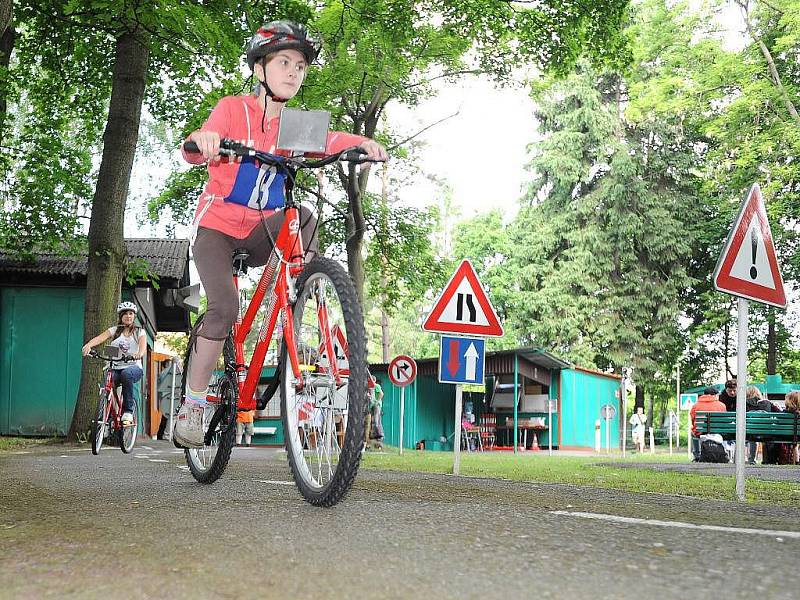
270, 93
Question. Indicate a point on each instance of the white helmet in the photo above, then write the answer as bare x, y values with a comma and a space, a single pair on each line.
123, 306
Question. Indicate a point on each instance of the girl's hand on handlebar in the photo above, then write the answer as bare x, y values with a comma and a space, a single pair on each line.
375, 151
207, 142
86, 349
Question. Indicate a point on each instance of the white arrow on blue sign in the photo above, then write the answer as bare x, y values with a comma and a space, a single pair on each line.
461, 359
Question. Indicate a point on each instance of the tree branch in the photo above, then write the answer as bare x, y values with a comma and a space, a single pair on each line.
423, 130
776, 79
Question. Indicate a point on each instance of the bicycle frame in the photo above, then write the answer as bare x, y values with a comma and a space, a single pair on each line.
277, 281
114, 403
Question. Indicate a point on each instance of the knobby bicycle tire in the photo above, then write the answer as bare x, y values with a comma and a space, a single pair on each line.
99, 424
341, 479
208, 471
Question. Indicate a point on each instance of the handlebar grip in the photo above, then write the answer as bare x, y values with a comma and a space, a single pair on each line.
355, 155
191, 147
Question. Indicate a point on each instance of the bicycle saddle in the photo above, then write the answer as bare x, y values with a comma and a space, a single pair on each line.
240, 256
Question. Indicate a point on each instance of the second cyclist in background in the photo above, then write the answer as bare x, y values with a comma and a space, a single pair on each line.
131, 341
228, 215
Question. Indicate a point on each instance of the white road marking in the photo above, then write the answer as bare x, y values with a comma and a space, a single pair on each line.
146, 447
678, 524
183, 467
158, 460
275, 482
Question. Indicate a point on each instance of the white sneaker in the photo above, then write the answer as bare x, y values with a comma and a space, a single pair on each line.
127, 419
188, 430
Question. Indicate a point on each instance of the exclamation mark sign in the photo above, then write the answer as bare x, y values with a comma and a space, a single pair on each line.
754, 248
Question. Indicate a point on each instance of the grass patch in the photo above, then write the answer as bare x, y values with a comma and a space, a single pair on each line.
595, 471
10, 443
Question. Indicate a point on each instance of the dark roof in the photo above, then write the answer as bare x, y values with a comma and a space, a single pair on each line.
535, 356
167, 259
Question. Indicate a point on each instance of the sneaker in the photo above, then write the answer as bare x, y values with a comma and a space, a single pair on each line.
127, 419
188, 430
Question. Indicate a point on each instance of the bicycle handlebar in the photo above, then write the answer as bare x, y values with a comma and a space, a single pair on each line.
231, 148
123, 358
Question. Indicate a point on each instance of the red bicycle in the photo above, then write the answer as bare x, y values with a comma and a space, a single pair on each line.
322, 367
107, 422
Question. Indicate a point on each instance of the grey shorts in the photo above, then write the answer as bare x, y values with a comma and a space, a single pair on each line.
213, 254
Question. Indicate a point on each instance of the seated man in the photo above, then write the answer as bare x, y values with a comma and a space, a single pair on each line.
706, 403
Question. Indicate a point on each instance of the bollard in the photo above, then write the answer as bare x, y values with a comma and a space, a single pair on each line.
597, 435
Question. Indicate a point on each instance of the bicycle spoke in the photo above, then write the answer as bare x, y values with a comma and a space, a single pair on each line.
318, 403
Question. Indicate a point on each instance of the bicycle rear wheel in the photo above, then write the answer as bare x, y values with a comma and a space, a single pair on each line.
219, 421
323, 420
127, 436
100, 422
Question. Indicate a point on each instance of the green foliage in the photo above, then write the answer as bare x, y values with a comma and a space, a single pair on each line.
58, 87
140, 270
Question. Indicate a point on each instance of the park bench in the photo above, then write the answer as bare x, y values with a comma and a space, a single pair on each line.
760, 426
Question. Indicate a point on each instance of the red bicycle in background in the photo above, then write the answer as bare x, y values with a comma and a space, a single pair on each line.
322, 367
107, 421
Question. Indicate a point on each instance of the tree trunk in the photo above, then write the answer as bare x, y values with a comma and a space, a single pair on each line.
772, 343
106, 261
354, 184
639, 401
7, 36
384, 336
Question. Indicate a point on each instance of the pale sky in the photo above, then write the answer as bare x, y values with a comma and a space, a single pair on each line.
481, 152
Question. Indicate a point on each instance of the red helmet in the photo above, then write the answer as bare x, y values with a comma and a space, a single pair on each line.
279, 35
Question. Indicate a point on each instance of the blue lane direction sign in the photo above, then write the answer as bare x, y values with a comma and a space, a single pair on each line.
461, 359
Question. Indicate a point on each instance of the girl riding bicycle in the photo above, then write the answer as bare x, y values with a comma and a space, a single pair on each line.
228, 215
130, 340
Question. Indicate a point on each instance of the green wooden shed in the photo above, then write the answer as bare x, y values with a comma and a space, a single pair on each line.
41, 331
532, 376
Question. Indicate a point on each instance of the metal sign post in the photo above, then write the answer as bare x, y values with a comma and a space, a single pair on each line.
678, 402
402, 372
685, 402
457, 435
741, 392
624, 392
671, 414
608, 412
402, 411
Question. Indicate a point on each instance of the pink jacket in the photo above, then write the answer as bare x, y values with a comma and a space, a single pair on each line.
235, 188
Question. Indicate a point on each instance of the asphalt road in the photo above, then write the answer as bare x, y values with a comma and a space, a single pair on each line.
73, 525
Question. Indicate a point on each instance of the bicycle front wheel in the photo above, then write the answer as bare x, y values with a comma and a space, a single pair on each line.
323, 419
100, 422
207, 464
127, 437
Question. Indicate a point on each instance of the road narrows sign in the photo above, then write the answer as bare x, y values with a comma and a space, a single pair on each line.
402, 370
748, 265
464, 307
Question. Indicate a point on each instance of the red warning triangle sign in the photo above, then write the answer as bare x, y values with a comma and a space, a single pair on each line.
464, 307
748, 266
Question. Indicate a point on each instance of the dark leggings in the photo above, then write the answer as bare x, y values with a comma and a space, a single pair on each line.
213, 253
